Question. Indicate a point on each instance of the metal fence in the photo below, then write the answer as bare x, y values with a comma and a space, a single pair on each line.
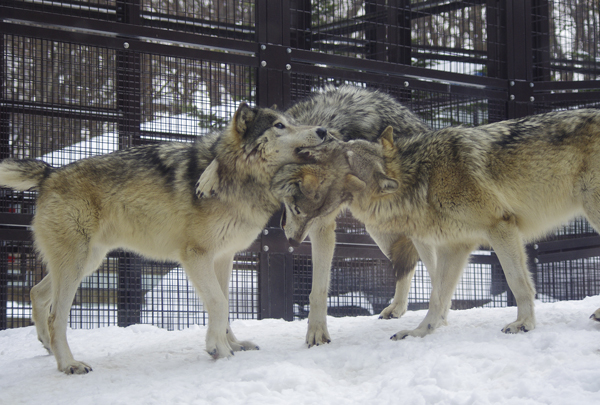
80, 78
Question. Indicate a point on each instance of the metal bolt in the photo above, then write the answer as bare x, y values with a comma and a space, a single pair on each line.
289, 50
291, 249
265, 248
531, 84
126, 45
263, 47
406, 84
263, 63
265, 232
535, 246
512, 96
512, 83
288, 67
536, 260
532, 99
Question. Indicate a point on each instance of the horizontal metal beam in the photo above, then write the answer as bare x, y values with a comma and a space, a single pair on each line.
112, 30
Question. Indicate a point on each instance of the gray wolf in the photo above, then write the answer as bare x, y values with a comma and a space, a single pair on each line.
144, 200
458, 188
349, 113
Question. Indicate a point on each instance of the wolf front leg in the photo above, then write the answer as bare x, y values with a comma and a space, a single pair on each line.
200, 269
223, 269
506, 241
445, 265
322, 238
404, 257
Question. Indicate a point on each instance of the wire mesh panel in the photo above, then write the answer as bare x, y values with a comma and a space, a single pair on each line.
568, 45
78, 79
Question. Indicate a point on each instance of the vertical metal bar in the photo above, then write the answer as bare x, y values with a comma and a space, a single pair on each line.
129, 106
276, 276
520, 63
541, 40
4, 153
129, 291
497, 58
300, 24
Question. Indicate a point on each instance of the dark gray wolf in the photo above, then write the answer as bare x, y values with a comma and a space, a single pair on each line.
144, 199
349, 113
450, 191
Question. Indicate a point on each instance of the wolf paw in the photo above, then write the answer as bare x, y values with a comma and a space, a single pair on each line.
419, 332
392, 312
519, 326
208, 183
317, 336
243, 346
596, 315
76, 367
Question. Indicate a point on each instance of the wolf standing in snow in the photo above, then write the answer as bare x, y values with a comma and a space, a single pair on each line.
144, 199
455, 189
349, 113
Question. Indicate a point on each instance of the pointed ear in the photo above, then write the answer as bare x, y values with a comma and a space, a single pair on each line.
387, 138
387, 185
309, 185
242, 118
353, 184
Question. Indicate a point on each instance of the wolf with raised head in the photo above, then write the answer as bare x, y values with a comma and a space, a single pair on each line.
452, 190
143, 199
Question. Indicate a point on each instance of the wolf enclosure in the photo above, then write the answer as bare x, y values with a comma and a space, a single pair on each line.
82, 78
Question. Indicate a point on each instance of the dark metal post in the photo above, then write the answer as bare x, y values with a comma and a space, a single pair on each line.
129, 107
273, 87
4, 153
276, 274
519, 61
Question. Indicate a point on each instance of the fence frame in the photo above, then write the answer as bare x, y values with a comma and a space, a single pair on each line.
277, 52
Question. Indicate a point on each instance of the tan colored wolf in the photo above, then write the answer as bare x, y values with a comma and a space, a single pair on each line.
144, 200
455, 189
348, 112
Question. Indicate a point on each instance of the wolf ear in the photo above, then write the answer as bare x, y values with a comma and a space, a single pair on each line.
387, 185
387, 138
309, 185
274, 107
242, 118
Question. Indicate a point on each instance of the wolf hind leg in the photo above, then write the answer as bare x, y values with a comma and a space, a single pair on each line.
66, 275
591, 208
223, 269
445, 265
41, 295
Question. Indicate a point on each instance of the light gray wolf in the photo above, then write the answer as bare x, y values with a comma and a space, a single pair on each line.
349, 113
143, 199
458, 188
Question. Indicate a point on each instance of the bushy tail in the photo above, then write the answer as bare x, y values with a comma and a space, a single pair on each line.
23, 174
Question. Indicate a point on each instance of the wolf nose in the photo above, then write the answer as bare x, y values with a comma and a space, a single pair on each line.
322, 133
293, 242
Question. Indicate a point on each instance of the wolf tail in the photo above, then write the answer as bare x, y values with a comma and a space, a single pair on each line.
23, 174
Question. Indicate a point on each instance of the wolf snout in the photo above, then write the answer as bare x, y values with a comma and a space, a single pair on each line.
321, 133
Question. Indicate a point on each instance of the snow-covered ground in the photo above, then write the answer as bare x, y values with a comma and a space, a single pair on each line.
467, 362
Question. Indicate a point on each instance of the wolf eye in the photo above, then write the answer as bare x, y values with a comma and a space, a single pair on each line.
279, 125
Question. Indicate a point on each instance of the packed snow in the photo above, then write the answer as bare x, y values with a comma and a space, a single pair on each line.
467, 362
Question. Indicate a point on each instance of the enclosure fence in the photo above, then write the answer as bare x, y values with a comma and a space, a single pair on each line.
88, 77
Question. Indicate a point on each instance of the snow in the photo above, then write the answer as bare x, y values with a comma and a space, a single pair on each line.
467, 362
